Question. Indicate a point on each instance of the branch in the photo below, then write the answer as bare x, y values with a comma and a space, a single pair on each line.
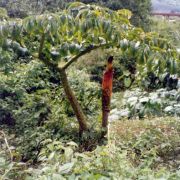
87, 50
50, 64
41, 45
41, 58
6, 142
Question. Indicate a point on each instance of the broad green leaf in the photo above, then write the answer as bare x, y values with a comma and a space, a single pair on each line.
66, 168
127, 81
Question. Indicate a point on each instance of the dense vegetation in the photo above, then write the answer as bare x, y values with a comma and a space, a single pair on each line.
51, 69
22, 8
167, 28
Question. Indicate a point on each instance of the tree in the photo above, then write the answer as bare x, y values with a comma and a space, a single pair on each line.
23, 8
106, 93
140, 8
60, 39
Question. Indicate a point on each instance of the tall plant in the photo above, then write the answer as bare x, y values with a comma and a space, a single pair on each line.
60, 39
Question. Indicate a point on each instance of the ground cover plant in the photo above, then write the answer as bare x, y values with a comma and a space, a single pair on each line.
168, 28
147, 149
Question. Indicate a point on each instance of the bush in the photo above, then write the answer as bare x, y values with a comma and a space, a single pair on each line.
33, 102
3, 14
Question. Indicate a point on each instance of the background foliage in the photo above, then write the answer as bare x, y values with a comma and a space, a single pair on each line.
22, 8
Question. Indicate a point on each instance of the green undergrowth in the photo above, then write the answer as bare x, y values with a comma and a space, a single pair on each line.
136, 149
169, 28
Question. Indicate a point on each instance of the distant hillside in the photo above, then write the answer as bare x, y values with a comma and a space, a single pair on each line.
166, 5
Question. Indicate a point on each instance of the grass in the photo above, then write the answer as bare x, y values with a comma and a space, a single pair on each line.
126, 129
167, 28
156, 138
137, 149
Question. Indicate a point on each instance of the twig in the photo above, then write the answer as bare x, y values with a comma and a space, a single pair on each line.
6, 142
41, 45
4, 175
11, 156
87, 50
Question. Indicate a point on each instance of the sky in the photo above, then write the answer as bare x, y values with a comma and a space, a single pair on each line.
166, 5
